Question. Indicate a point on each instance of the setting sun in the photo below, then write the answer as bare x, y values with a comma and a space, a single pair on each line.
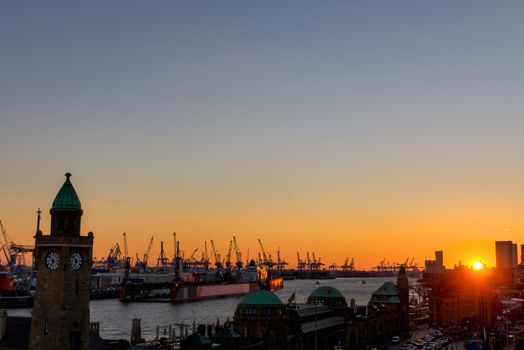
477, 265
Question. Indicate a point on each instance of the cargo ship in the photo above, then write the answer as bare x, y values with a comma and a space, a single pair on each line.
7, 284
197, 285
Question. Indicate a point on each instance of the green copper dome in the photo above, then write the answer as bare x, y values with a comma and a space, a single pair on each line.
326, 292
387, 293
261, 297
66, 198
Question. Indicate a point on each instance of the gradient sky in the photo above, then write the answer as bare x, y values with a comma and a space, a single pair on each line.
365, 129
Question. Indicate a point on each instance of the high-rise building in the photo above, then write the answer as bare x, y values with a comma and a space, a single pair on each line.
60, 317
506, 254
437, 265
522, 254
439, 257
514, 256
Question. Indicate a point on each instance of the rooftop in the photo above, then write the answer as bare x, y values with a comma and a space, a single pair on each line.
66, 198
326, 292
387, 293
261, 297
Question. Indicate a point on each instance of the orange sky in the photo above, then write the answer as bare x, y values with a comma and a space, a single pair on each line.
390, 221
360, 129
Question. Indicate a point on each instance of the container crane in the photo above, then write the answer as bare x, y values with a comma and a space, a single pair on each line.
16, 251
300, 263
126, 253
238, 254
216, 255
114, 255
281, 264
228, 256
192, 256
314, 265
148, 252
162, 258
7, 256
175, 252
264, 255
320, 263
205, 258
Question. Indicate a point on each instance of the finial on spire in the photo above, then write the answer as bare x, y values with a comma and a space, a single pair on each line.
68, 175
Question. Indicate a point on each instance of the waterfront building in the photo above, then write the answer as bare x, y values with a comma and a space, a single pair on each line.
325, 321
60, 316
464, 295
261, 314
62, 260
437, 265
386, 304
329, 296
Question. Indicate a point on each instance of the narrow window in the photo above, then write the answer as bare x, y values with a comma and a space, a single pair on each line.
46, 331
76, 288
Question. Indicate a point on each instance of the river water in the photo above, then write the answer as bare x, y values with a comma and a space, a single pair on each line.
115, 317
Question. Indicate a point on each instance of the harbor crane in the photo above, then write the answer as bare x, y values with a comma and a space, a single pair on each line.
300, 263
316, 264
238, 254
264, 255
16, 251
7, 256
216, 255
281, 264
268, 260
206, 256
175, 252
148, 252
192, 256
126, 254
228, 256
114, 255
162, 258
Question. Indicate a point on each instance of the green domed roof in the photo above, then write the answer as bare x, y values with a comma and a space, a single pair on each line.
66, 198
387, 288
326, 292
387, 293
261, 297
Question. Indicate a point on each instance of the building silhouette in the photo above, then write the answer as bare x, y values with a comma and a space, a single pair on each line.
60, 318
507, 262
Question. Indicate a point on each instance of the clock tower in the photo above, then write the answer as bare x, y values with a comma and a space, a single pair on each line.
62, 259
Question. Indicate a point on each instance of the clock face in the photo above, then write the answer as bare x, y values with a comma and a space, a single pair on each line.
76, 261
52, 260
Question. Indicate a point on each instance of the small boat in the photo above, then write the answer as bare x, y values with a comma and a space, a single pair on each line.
317, 282
363, 281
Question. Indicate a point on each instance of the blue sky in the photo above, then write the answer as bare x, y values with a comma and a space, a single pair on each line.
274, 106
